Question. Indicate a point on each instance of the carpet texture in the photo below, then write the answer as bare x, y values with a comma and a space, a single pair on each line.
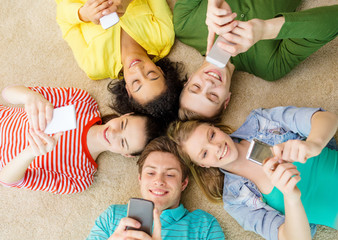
33, 53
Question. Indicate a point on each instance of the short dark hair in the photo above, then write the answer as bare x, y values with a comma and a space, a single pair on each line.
165, 106
162, 144
153, 127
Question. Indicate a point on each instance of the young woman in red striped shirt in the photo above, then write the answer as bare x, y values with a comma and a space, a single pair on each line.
63, 163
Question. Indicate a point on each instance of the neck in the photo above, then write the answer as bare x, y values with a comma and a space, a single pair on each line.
93, 144
129, 47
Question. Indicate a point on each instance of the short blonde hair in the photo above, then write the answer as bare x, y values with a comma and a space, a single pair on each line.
185, 114
210, 180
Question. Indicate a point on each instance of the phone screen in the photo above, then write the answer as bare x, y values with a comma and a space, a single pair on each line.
259, 151
142, 211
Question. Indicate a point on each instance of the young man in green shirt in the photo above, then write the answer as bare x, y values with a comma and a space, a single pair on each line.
269, 40
162, 177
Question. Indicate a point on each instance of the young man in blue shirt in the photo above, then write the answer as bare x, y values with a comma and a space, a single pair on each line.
162, 177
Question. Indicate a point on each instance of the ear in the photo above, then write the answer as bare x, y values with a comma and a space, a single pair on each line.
187, 81
227, 101
185, 183
127, 114
139, 178
159, 68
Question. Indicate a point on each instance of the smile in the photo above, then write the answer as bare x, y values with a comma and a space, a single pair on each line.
214, 74
225, 151
105, 134
134, 62
158, 192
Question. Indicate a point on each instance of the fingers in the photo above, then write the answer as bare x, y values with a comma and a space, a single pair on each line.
127, 222
211, 40
40, 142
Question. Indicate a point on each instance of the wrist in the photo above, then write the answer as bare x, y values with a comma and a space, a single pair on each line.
272, 27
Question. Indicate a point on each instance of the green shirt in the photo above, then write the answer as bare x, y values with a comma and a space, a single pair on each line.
176, 223
302, 33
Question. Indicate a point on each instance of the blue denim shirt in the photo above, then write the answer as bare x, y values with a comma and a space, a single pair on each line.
241, 197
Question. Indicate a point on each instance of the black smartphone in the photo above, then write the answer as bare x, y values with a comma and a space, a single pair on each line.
259, 151
142, 211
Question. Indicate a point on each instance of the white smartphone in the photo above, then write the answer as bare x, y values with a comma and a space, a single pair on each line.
142, 211
109, 20
218, 56
259, 151
64, 119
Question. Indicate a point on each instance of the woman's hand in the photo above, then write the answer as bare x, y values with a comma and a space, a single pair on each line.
284, 176
40, 143
93, 10
39, 111
296, 150
220, 20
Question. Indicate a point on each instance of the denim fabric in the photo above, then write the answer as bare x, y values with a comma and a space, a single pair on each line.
241, 197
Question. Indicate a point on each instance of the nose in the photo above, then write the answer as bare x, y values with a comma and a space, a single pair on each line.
216, 148
159, 180
140, 71
115, 132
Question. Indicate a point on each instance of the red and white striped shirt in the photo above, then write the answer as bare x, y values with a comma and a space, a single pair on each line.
69, 168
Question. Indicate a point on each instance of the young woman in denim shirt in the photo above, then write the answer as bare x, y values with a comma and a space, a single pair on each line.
267, 199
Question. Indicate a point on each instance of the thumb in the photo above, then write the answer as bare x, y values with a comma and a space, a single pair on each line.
157, 225
211, 39
57, 136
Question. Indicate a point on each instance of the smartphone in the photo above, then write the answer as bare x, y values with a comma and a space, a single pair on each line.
64, 119
142, 211
109, 20
259, 151
218, 56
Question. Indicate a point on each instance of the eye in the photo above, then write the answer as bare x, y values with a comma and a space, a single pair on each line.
204, 155
170, 175
122, 143
136, 85
122, 123
150, 173
213, 97
212, 135
153, 75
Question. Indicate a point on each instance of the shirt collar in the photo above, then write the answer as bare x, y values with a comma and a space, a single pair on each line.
169, 216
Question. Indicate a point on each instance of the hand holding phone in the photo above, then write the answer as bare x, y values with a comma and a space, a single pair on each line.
259, 151
142, 211
64, 119
109, 20
218, 56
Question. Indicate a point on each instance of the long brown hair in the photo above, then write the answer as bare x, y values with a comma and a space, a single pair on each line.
210, 180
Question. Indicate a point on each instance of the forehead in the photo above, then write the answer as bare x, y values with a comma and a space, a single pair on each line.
135, 133
196, 140
162, 161
198, 103
150, 90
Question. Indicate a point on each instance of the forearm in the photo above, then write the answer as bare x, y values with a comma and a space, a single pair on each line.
296, 225
16, 94
15, 170
323, 127
272, 27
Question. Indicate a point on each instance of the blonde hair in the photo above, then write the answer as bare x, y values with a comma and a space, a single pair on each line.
210, 180
185, 114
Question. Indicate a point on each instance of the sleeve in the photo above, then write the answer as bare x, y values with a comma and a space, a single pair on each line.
189, 23
65, 96
257, 217
68, 19
105, 225
316, 23
38, 179
214, 230
297, 120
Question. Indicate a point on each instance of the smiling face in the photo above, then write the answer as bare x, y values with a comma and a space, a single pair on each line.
208, 146
161, 180
207, 90
144, 80
124, 135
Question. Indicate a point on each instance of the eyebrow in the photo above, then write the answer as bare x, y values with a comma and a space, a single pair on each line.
167, 169
125, 140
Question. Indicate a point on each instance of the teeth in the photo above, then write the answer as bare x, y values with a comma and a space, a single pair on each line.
134, 63
158, 193
225, 151
213, 75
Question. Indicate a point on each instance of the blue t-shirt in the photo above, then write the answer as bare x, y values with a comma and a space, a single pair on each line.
176, 223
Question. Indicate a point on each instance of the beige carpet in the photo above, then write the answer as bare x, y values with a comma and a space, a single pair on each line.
32, 52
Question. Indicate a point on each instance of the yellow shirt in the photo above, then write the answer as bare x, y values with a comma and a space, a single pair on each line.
98, 51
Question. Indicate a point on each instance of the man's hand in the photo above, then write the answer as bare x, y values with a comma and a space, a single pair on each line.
93, 10
40, 142
220, 20
284, 176
121, 233
39, 111
296, 150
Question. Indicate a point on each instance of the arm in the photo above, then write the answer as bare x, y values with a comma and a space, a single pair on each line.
40, 144
323, 127
285, 177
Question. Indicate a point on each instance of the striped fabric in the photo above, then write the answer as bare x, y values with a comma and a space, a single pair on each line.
69, 168
176, 223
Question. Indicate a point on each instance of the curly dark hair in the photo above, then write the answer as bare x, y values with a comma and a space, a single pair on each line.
165, 106
154, 128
